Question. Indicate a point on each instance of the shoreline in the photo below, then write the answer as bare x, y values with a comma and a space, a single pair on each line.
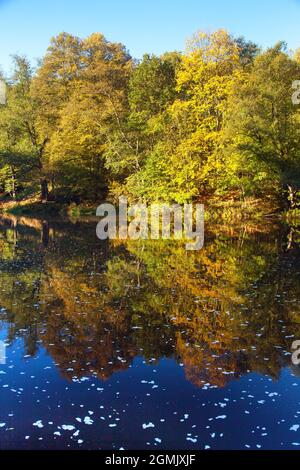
230, 211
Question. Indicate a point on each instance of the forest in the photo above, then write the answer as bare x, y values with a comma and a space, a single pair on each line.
215, 123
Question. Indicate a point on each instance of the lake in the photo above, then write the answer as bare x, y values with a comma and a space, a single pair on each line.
143, 345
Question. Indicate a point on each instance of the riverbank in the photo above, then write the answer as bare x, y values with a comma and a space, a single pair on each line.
230, 211
34, 207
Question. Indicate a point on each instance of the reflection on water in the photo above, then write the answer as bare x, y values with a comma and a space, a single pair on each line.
143, 344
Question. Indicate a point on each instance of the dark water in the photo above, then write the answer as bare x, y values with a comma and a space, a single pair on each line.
144, 345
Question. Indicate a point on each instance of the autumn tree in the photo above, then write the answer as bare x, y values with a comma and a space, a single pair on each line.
21, 144
180, 166
87, 121
263, 128
152, 88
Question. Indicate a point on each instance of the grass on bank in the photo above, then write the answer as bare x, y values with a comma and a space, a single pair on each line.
227, 210
32, 206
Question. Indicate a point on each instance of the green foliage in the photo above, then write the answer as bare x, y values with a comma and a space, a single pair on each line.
214, 122
262, 131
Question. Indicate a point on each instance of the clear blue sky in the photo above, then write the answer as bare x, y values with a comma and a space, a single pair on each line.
26, 26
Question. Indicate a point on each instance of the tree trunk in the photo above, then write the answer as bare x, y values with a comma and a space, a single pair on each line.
44, 189
45, 233
13, 184
292, 197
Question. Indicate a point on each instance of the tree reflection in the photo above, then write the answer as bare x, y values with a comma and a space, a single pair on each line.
226, 310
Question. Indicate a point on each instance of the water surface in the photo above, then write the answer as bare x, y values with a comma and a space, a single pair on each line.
143, 345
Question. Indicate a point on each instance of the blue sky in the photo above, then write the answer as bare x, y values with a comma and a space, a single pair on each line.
26, 26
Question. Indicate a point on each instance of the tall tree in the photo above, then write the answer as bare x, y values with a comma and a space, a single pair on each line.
22, 147
93, 113
263, 126
180, 165
152, 88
